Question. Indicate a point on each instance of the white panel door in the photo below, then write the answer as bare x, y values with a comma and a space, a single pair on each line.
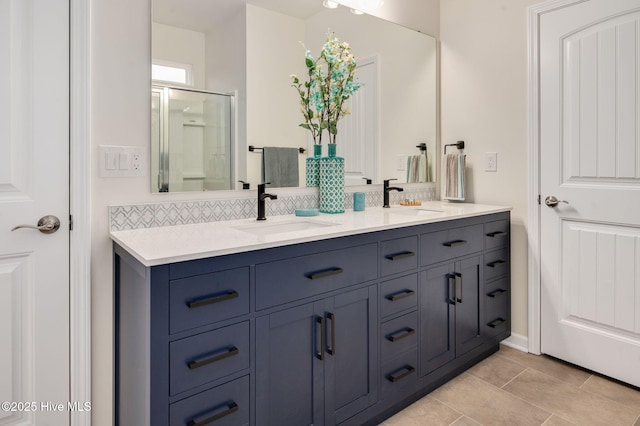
590, 157
34, 182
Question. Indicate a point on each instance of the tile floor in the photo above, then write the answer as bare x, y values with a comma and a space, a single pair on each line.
514, 388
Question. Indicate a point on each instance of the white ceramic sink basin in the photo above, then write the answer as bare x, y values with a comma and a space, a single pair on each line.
415, 212
266, 228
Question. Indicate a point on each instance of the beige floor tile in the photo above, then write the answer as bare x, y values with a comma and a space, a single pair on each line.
637, 423
487, 404
569, 402
465, 421
618, 392
557, 421
551, 366
497, 370
426, 411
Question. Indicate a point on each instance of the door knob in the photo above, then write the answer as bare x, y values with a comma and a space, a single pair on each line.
552, 201
47, 225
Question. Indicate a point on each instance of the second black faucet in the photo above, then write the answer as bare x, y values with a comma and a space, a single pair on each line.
388, 189
261, 197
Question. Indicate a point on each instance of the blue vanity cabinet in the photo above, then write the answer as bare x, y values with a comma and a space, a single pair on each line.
317, 363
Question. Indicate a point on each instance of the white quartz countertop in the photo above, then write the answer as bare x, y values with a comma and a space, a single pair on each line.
169, 244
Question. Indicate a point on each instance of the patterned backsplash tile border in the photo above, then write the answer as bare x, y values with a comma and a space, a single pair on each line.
141, 216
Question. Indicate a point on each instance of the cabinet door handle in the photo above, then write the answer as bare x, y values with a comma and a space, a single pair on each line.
400, 295
406, 371
209, 359
399, 335
325, 273
197, 303
497, 234
496, 322
402, 255
323, 337
496, 263
454, 243
497, 292
215, 414
452, 288
458, 287
331, 350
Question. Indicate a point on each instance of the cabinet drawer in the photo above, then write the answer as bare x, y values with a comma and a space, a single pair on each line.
398, 335
398, 255
299, 277
205, 299
445, 245
225, 405
496, 234
400, 375
398, 295
497, 307
208, 356
496, 264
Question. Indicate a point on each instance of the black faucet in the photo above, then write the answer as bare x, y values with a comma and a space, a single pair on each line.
261, 197
387, 189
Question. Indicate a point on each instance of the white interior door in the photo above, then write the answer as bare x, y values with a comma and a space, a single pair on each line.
34, 182
590, 157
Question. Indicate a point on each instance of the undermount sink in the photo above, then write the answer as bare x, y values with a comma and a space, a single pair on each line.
415, 212
266, 228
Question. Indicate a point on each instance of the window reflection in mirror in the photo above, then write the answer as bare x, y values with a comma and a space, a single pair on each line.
250, 47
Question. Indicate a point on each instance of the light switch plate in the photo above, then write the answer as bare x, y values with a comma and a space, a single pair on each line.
122, 161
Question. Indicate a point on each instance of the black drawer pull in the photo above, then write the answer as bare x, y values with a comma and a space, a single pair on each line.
209, 359
495, 323
399, 335
325, 273
496, 263
497, 292
197, 303
402, 255
213, 415
497, 234
454, 243
400, 295
408, 369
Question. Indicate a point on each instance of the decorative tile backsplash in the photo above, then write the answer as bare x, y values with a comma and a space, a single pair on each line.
184, 212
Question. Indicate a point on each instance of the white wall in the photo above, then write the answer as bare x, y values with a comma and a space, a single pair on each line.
484, 103
180, 45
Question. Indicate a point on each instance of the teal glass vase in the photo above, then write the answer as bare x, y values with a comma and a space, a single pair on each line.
312, 174
332, 182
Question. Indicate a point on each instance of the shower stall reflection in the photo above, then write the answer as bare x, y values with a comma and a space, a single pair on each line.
191, 133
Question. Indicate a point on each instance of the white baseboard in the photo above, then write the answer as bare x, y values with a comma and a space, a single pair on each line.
517, 341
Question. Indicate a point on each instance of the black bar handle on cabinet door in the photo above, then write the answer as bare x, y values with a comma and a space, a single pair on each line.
496, 322
458, 286
402, 255
496, 234
331, 350
325, 273
323, 337
496, 263
399, 335
400, 295
408, 369
451, 290
197, 303
209, 359
497, 292
213, 415
454, 243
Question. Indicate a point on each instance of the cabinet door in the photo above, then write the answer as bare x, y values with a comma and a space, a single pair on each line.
437, 310
468, 304
289, 375
352, 356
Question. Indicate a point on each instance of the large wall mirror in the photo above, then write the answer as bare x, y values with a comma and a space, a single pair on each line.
226, 87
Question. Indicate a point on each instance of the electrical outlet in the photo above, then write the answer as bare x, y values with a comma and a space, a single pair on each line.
121, 161
401, 162
490, 162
